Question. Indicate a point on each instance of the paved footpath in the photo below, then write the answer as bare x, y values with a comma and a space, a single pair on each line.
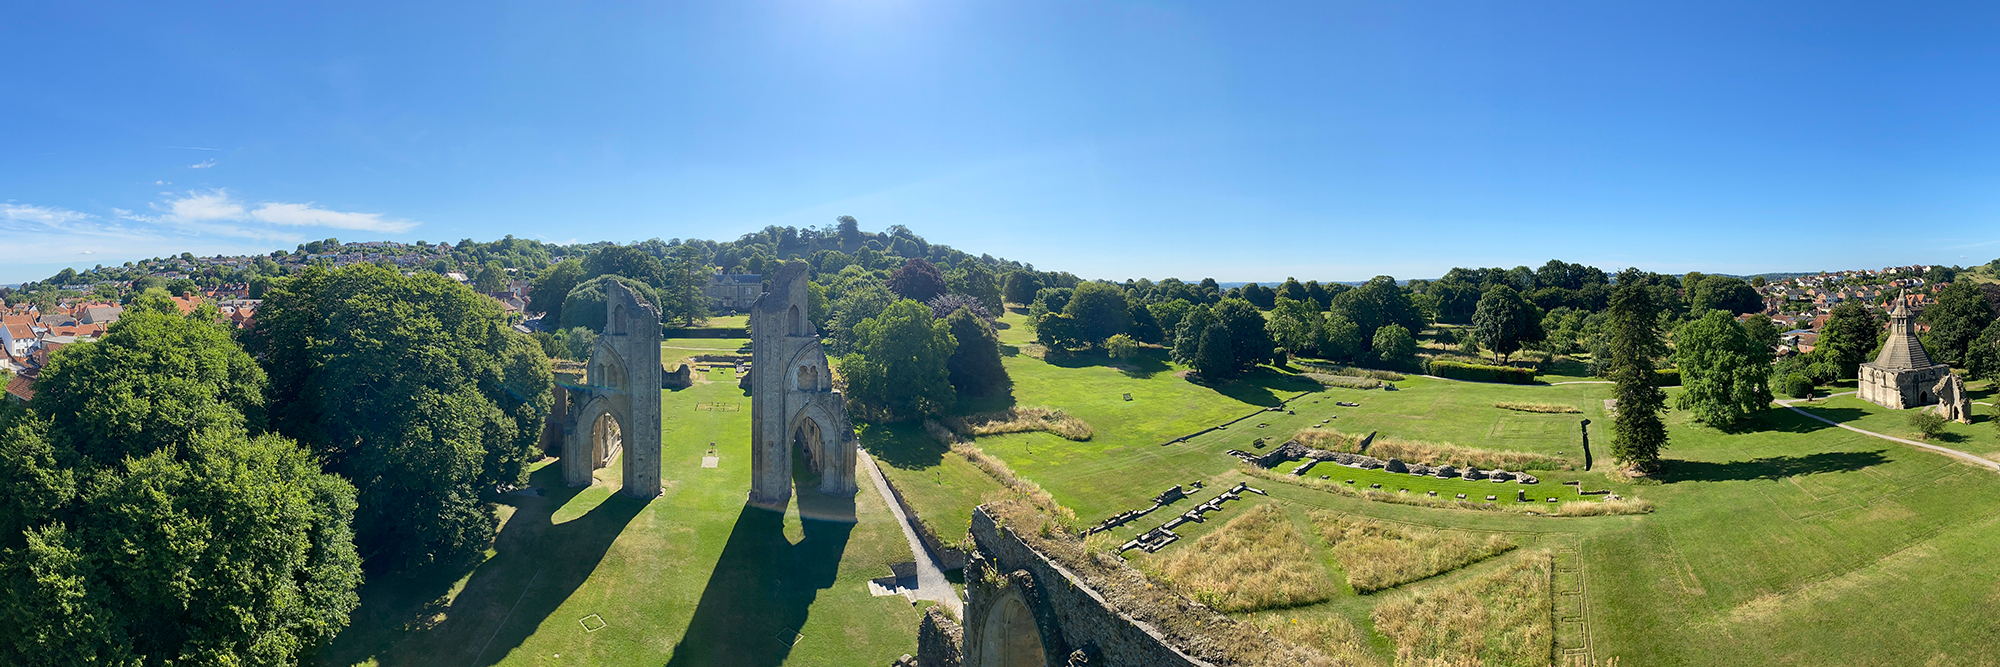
931, 584
1963, 456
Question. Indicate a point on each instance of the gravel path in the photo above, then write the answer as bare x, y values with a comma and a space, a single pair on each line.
931, 584
1947, 451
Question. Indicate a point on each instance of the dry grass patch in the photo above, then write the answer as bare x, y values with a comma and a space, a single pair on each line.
1347, 381
1545, 408
1332, 635
1256, 561
1501, 618
1195, 628
1379, 555
1604, 507
1022, 420
1328, 439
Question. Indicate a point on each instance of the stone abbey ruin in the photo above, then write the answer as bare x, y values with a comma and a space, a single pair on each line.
799, 425
624, 366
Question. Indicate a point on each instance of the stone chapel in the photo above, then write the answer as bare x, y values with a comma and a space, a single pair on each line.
1903, 375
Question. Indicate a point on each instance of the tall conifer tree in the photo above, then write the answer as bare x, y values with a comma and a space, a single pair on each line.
1638, 433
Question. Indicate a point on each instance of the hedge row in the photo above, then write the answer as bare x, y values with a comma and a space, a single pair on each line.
1669, 377
1482, 373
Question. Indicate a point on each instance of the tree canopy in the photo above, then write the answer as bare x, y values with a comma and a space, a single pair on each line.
975, 363
899, 368
415, 389
1849, 335
1725, 371
1504, 322
917, 280
1956, 320
1100, 311
148, 527
1723, 293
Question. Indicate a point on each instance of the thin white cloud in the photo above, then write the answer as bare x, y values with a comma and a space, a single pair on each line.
204, 164
301, 215
197, 207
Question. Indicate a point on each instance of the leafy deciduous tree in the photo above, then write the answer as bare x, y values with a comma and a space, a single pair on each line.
899, 366
1725, 374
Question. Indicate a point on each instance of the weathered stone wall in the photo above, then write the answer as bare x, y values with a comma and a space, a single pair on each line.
1072, 615
940, 641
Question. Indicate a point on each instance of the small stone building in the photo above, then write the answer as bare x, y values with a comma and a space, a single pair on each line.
1903, 374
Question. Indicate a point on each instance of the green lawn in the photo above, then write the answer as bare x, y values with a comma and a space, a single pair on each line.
689, 578
1783, 542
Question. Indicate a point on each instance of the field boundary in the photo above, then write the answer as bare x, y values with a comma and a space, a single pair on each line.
1980, 461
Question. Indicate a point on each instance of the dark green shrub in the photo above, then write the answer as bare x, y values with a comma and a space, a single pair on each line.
1669, 377
1797, 385
1928, 424
1482, 373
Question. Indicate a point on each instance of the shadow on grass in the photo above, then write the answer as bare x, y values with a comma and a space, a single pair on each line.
537, 565
1770, 467
1150, 362
901, 445
1780, 419
756, 600
1260, 387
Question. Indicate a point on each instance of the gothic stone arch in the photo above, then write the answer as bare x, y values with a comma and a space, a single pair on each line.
792, 396
623, 387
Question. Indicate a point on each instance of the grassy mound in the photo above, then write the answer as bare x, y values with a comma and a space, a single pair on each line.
1379, 555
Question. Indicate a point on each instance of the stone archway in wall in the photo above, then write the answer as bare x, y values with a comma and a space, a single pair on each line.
598, 438
1009, 636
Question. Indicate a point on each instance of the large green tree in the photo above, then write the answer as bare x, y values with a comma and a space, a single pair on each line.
585, 305
145, 526
1725, 372
552, 287
1723, 293
1297, 327
975, 280
630, 261
975, 364
1100, 309
1956, 320
899, 368
1249, 341
1849, 335
1378, 302
1504, 322
1637, 431
1394, 344
413, 388
154, 381
1188, 334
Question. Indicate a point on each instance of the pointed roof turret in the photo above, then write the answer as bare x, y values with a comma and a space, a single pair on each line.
1902, 349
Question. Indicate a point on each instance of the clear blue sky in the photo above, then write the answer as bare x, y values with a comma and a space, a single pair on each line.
1243, 141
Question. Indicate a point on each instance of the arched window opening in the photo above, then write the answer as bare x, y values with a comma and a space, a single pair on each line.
618, 320
793, 318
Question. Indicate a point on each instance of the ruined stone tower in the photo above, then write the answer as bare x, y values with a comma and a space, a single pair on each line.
620, 406
795, 413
